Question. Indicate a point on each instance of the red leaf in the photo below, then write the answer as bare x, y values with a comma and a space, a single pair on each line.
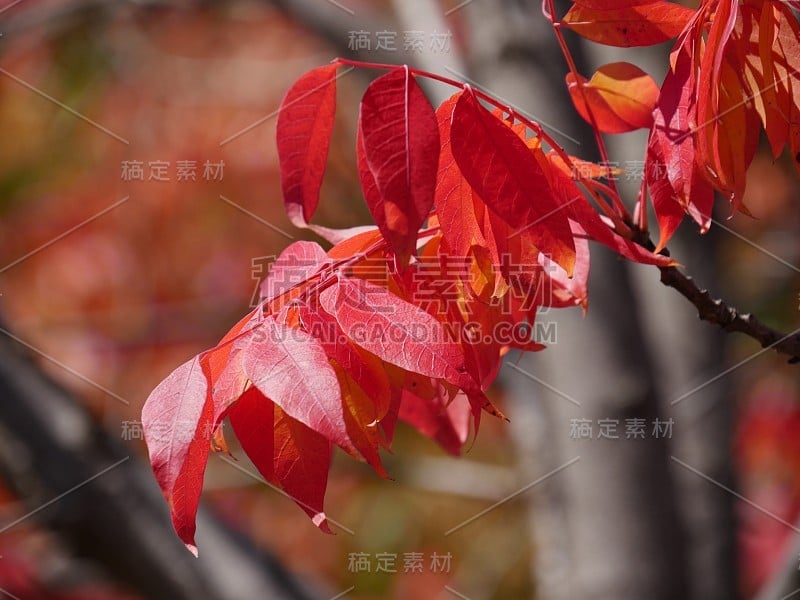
672, 142
222, 367
621, 97
285, 452
291, 368
586, 217
628, 24
362, 424
454, 199
296, 264
394, 330
305, 122
398, 148
177, 420
440, 419
252, 420
358, 244
669, 213
365, 369
610, 4
505, 174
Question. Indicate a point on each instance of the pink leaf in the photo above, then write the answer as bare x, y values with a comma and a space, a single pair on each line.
177, 420
297, 263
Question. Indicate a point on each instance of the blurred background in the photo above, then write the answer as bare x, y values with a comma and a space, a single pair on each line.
648, 455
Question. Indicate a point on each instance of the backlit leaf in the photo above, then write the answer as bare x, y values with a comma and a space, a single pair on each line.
398, 146
177, 421
628, 24
504, 173
305, 122
620, 95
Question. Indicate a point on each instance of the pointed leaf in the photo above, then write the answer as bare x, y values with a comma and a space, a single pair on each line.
443, 420
365, 369
398, 147
393, 330
177, 421
291, 368
454, 200
286, 453
305, 122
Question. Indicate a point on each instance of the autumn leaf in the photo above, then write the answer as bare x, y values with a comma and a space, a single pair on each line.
296, 264
365, 369
392, 329
610, 4
398, 148
442, 419
504, 173
290, 368
620, 95
627, 24
455, 201
285, 452
671, 156
305, 122
177, 421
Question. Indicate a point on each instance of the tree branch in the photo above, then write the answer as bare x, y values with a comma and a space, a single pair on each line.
720, 313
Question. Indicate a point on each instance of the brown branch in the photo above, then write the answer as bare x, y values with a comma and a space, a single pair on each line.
718, 312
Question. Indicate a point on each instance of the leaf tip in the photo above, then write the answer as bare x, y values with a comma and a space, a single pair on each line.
321, 521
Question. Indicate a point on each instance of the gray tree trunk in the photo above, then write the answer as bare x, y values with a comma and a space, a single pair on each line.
625, 521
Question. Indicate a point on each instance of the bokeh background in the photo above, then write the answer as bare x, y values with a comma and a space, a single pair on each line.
111, 277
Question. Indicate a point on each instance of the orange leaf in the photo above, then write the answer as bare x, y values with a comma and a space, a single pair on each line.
627, 26
620, 95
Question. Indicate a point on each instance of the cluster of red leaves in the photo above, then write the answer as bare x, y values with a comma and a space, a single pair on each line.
731, 74
347, 342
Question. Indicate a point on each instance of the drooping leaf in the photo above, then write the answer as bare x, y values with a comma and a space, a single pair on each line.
362, 422
365, 369
222, 367
252, 419
669, 212
177, 421
504, 173
672, 141
441, 419
291, 368
285, 452
620, 95
305, 122
627, 24
455, 200
610, 4
398, 147
582, 214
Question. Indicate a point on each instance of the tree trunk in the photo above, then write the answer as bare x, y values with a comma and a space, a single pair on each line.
625, 521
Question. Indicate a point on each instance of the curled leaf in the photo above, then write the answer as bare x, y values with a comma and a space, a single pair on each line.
620, 95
